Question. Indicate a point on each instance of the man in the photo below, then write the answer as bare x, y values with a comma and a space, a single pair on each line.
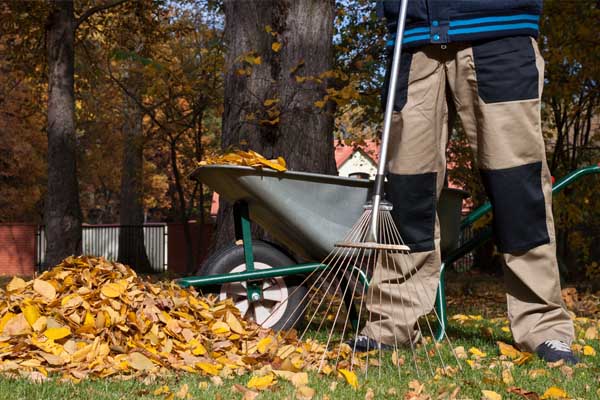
480, 60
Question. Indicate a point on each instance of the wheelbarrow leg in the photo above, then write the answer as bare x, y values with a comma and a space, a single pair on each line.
441, 306
243, 232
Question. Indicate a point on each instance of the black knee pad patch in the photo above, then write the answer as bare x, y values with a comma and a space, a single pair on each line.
414, 199
506, 69
519, 207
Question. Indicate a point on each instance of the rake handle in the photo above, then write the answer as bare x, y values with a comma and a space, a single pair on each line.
387, 121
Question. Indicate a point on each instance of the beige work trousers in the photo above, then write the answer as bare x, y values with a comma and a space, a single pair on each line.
495, 88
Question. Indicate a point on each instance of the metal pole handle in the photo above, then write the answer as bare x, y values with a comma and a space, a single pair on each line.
387, 121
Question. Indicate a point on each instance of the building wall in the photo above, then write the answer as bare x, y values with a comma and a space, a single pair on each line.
357, 162
17, 249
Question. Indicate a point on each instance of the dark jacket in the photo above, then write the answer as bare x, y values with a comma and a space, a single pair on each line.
446, 21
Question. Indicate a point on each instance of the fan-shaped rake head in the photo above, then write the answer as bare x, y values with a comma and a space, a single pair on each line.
340, 303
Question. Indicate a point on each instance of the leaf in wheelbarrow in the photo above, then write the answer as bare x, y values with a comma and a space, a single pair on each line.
248, 158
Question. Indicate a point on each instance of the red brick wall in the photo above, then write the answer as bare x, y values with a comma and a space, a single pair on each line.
17, 249
202, 239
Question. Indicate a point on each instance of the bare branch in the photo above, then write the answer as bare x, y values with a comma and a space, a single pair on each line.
86, 15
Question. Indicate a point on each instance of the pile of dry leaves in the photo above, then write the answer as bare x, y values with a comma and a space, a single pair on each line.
91, 317
247, 158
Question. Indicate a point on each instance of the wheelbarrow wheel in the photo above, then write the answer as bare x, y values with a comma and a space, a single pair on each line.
274, 290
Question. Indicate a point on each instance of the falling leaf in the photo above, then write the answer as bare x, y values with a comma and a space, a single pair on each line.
276, 46
490, 395
350, 377
554, 393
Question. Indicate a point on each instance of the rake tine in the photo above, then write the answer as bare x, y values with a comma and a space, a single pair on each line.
397, 234
386, 220
331, 255
396, 346
328, 288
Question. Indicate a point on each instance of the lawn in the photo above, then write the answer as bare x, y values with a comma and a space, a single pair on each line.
477, 325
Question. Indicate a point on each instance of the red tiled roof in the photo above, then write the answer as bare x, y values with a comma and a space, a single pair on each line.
343, 152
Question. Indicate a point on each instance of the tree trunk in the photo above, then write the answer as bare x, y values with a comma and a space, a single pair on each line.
303, 135
132, 250
62, 209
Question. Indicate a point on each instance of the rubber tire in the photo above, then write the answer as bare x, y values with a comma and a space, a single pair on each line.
222, 262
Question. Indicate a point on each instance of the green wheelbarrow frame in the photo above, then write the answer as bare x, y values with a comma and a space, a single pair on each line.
253, 276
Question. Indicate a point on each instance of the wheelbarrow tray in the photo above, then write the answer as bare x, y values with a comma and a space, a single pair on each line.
309, 212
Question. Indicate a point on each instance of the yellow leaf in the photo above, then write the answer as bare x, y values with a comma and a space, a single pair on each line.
112, 290
270, 102
263, 344
31, 313
261, 382
44, 288
490, 395
589, 351
268, 28
476, 352
15, 284
140, 362
523, 358
162, 390
220, 328
210, 369
508, 350
350, 377
234, 324
57, 333
507, 377
5, 318
320, 103
554, 393
276, 46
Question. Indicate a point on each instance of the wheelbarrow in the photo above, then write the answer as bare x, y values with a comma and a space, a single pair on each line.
305, 214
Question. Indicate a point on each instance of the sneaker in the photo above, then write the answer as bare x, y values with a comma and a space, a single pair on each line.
555, 350
364, 343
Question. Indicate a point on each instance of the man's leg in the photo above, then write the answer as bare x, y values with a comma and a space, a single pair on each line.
497, 89
404, 288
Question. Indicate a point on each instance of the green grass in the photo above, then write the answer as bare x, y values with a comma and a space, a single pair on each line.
583, 383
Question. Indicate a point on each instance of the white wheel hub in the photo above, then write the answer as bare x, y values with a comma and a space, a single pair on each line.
265, 312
